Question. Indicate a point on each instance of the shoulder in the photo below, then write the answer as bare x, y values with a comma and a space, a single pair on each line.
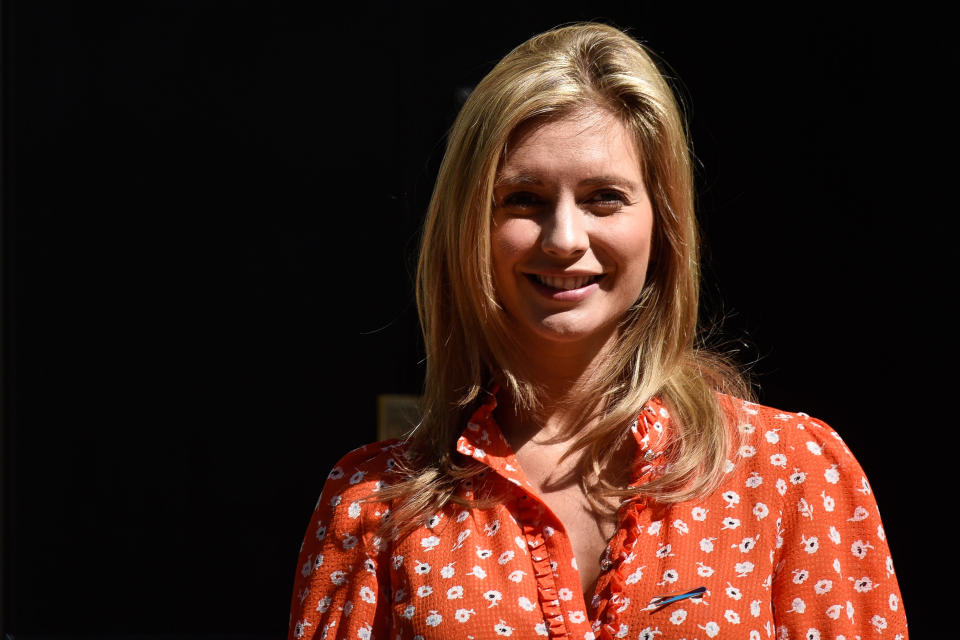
782, 437
365, 470
341, 568
348, 510
798, 455
349, 498
829, 537
802, 469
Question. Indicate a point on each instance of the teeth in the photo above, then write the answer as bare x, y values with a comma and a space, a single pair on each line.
565, 284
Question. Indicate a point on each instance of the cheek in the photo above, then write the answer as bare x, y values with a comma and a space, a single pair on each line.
510, 241
632, 244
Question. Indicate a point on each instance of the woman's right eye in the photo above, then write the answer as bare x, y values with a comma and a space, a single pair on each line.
521, 200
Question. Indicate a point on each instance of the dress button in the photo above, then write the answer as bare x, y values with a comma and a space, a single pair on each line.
649, 456
605, 564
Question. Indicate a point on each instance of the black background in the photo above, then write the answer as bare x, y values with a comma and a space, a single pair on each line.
211, 213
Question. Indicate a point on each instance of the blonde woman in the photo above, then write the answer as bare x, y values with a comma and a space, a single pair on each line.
582, 469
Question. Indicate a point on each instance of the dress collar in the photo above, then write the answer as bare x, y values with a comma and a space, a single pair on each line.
483, 441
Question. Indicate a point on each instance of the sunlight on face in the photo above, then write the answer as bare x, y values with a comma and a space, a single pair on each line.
572, 228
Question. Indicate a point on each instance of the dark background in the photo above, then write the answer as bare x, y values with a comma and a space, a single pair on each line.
211, 214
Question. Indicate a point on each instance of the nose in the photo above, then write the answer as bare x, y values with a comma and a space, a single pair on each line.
564, 232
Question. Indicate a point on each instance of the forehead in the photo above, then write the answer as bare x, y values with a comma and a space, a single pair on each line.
586, 140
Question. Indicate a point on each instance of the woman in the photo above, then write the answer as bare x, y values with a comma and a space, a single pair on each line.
582, 470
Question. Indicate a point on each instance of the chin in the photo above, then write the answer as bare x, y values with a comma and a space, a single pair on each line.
573, 333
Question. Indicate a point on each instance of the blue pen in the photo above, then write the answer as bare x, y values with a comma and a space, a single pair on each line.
659, 602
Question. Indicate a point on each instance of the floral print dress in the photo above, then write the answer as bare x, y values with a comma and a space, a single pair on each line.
790, 546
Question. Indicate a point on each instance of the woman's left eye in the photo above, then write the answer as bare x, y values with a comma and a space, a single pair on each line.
608, 199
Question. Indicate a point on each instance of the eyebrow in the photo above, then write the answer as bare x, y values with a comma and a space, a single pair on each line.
524, 179
617, 180
515, 180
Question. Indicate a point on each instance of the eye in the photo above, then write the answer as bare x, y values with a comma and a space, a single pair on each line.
608, 199
521, 200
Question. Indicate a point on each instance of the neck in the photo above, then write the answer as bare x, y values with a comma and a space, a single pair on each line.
562, 373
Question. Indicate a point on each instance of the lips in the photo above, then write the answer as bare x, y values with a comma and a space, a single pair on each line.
564, 283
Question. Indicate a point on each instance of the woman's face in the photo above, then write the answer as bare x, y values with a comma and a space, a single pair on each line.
572, 228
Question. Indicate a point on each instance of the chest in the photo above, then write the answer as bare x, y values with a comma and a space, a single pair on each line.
556, 483
587, 532
512, 569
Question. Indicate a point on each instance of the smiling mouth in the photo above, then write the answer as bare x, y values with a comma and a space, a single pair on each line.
564, 283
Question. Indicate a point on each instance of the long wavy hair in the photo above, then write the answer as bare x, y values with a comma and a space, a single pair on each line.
466, 331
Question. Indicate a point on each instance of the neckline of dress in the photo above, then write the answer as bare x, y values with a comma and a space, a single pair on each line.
650, 431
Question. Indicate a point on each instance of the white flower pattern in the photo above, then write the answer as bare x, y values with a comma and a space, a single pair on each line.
790, 546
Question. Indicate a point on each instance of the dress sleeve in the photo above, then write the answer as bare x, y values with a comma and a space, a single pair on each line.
341, 588
833, 573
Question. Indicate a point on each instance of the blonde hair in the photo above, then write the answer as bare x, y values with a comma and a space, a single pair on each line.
466, 334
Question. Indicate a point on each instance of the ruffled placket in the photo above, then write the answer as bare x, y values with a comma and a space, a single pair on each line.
483, 441
617, 562
529, 517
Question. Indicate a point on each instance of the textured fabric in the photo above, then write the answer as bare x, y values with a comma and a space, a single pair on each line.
790, 546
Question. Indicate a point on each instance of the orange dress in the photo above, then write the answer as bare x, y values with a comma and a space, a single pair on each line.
790, 546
